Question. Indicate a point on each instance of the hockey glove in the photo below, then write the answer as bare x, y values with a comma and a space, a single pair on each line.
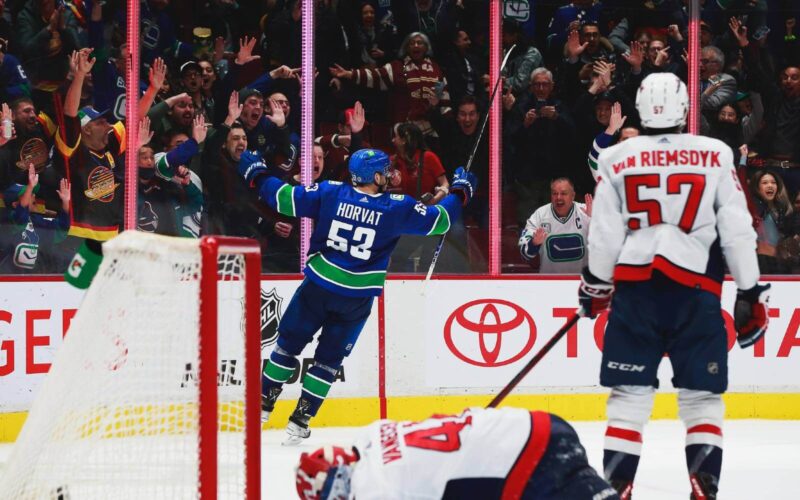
252, 168
464, 184
325, 473
594, 294
750, 316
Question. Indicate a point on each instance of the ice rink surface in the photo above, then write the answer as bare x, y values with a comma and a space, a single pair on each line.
761, 459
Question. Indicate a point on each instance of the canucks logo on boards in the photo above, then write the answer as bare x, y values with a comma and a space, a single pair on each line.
271, 313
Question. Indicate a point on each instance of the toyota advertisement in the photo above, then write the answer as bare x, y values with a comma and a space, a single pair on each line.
473, 336
451, 336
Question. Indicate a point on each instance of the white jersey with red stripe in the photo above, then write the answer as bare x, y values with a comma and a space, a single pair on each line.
416, 460
670, 203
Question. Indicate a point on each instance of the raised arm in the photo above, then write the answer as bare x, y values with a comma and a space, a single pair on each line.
83, 66
158, 73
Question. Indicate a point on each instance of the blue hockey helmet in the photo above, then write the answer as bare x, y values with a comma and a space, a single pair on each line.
364, 163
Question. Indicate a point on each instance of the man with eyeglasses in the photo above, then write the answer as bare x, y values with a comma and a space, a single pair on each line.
542, 132
717, 87
591, 47
569, 18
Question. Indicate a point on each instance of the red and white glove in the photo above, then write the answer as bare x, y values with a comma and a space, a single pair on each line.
750, 314
594, 294
324, 474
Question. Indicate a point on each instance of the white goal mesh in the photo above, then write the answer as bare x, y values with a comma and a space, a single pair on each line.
118, 414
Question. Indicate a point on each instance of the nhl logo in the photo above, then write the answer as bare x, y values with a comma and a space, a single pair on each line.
270, 317
713, 368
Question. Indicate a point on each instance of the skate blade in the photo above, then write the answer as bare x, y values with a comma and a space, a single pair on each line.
292, 440
295, 434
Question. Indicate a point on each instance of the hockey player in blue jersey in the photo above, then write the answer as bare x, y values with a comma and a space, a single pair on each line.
356, 229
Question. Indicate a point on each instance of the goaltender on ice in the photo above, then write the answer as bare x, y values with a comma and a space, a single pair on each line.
668, 207
357, 227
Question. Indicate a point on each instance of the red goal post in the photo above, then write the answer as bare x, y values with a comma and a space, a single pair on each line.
211, 247
143, 399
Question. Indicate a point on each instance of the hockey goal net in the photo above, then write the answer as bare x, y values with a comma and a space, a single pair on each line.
155, 391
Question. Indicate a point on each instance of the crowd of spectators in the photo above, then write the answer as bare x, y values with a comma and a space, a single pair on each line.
221, 79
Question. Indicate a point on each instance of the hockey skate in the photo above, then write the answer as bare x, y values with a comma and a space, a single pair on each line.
704, 486
297, 429
268, 402
624, 488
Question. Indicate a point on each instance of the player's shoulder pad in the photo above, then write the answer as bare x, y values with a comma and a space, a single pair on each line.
615, 149
619, 150
726, 156
714, 143
708, 141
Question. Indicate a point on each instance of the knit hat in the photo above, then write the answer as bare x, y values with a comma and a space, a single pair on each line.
247, 92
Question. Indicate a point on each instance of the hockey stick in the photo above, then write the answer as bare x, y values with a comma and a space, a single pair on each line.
469, 162
538, 357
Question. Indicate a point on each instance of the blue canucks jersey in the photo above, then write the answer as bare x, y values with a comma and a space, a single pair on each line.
355, 232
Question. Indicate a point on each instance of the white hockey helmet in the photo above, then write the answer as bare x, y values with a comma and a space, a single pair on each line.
662, 101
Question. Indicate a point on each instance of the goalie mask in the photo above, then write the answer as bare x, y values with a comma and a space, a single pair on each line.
324, 474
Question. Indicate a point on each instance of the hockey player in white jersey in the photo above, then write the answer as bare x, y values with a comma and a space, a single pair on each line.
557, 232
667, 208
481, 453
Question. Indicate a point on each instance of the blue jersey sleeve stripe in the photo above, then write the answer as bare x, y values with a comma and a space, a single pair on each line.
284, 199
442, 223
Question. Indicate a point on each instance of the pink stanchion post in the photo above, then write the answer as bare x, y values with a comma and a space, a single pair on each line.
693, 65
495, 139
306, 118
131, 114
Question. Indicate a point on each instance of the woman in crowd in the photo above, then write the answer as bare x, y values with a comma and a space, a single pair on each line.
374, 42
726, 126
789, 247
772, 208
418, 172
417, 83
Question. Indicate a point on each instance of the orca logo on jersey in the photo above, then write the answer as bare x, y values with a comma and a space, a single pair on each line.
504, 331
270, 317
